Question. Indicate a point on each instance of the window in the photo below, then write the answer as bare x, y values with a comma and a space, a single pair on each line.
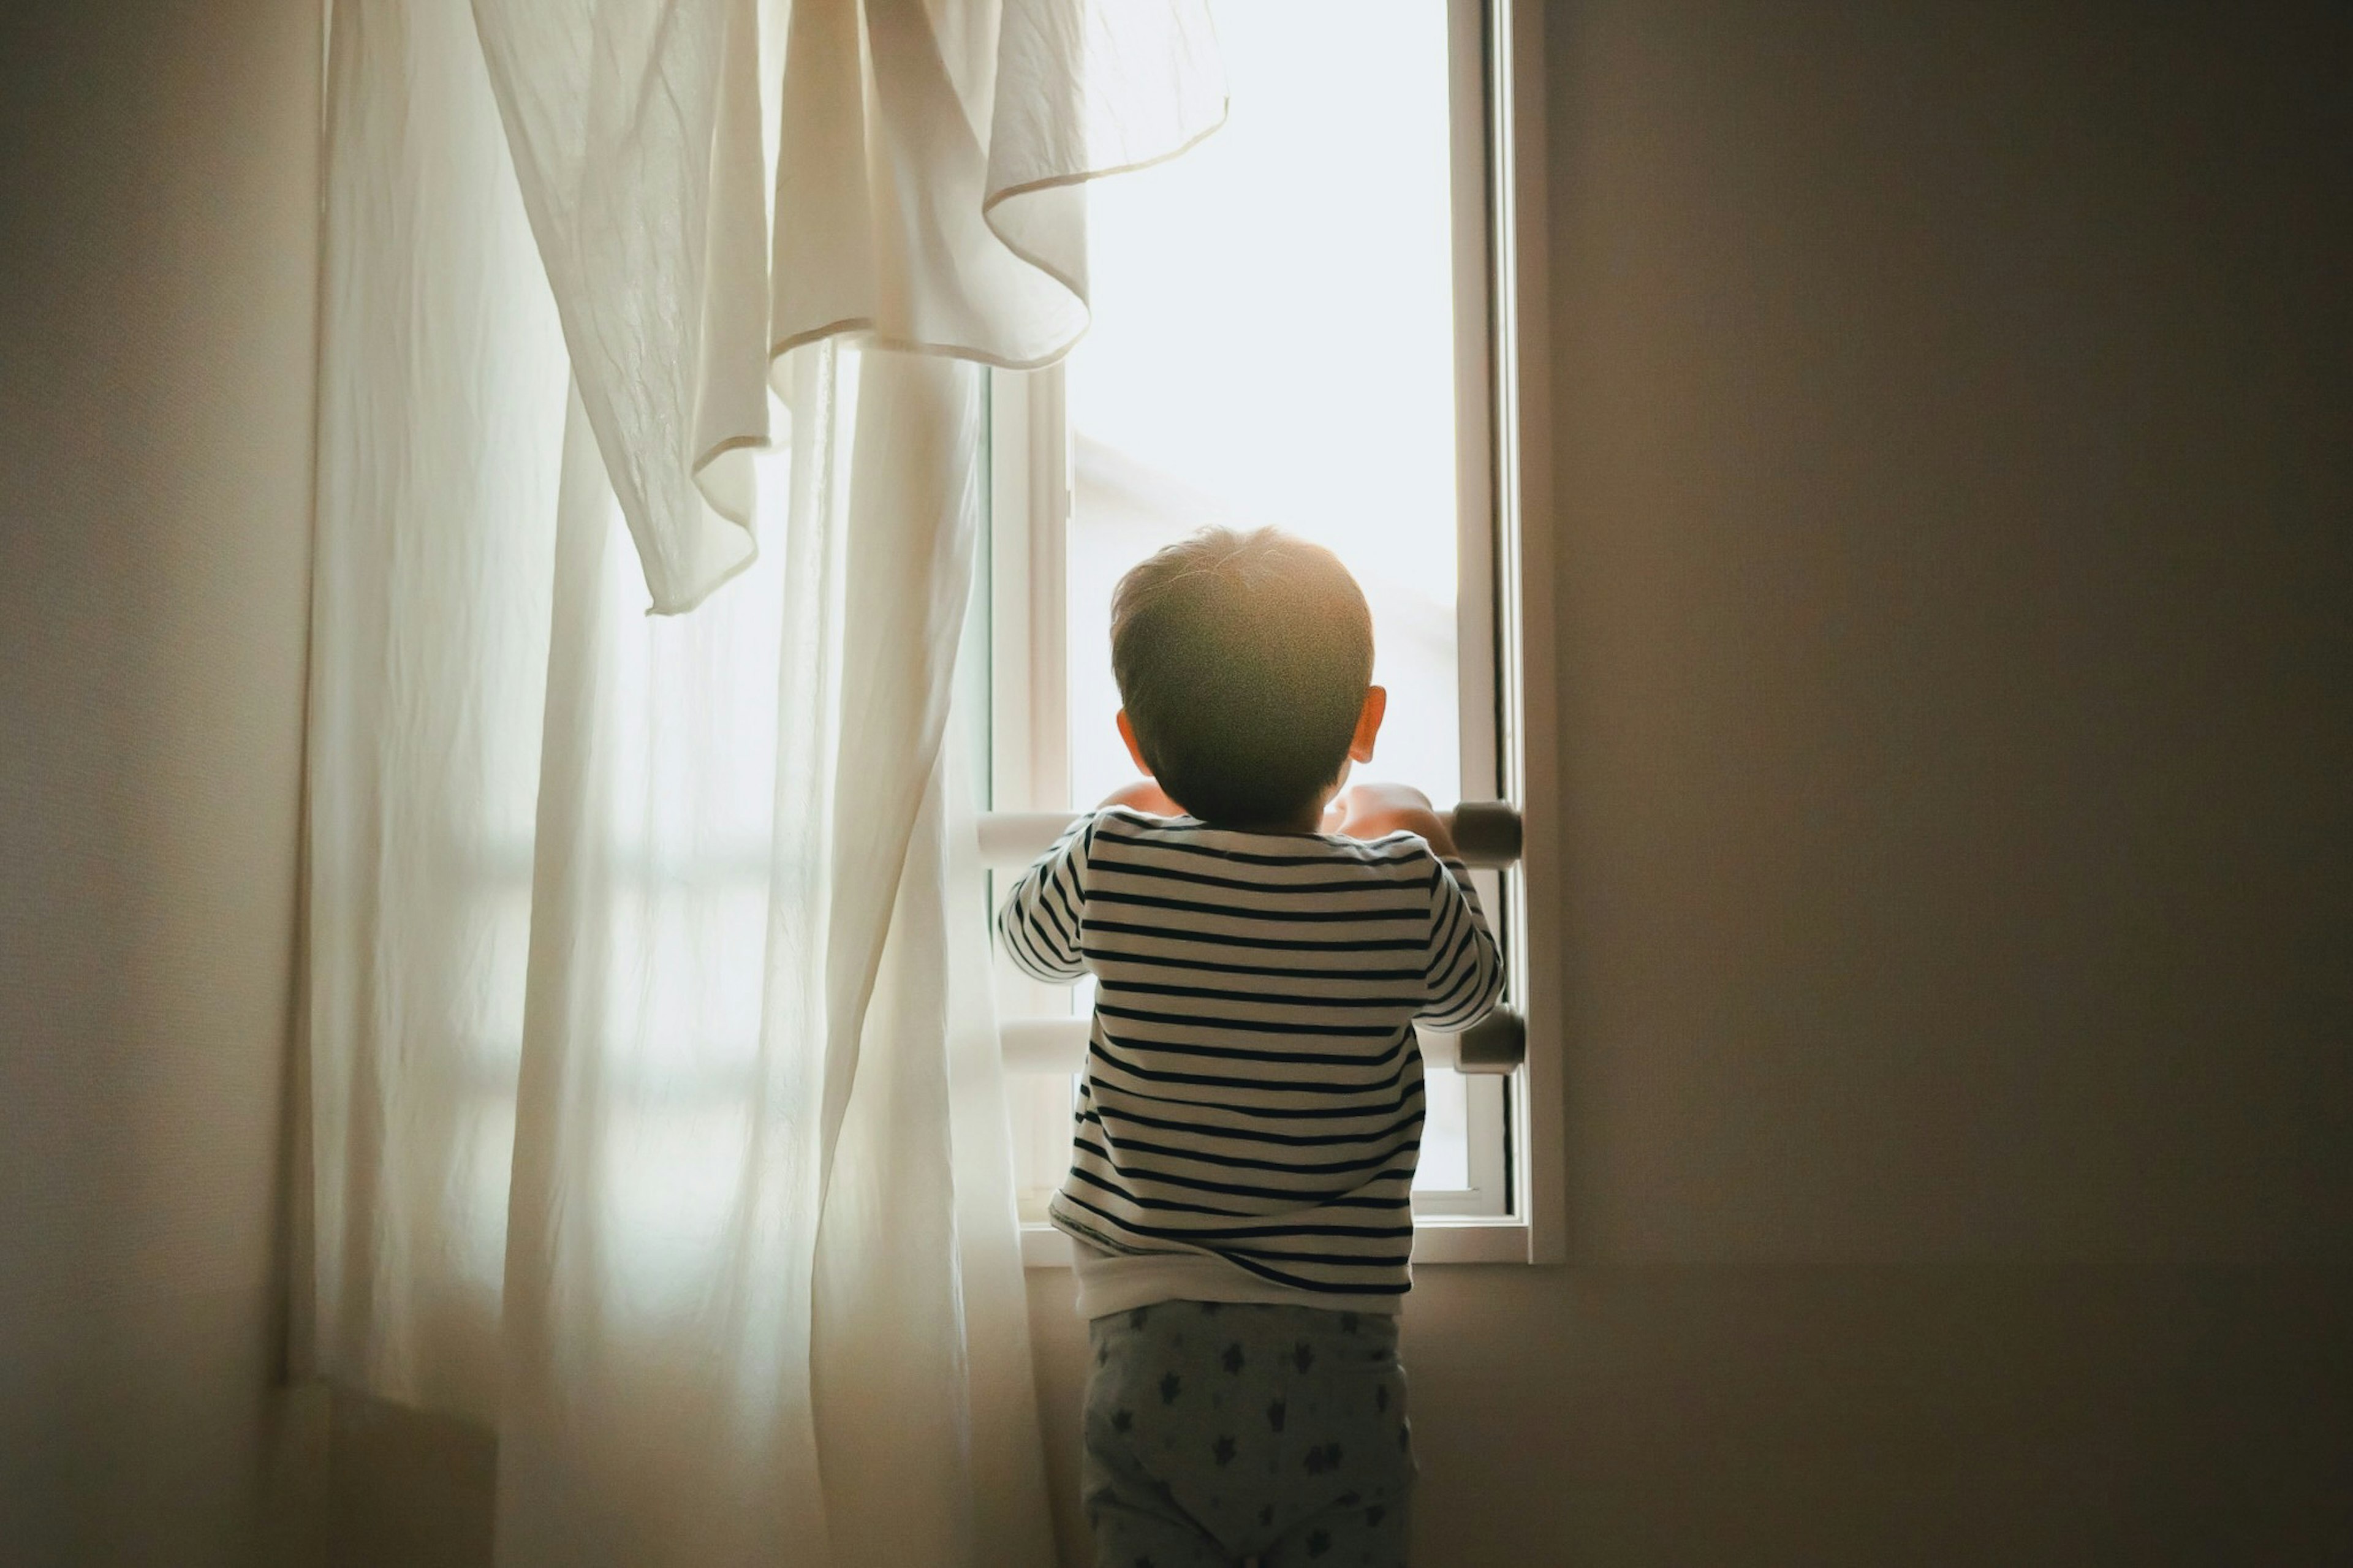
1302, 322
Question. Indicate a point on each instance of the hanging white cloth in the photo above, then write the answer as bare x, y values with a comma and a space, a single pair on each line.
927, 172
636, 133
441, 398
931, 153
656, 1118
762, 1293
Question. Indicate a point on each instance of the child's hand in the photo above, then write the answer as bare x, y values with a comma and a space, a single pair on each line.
1145, 794
1373, 811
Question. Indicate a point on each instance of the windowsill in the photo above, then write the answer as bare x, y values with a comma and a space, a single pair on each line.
1435, 1241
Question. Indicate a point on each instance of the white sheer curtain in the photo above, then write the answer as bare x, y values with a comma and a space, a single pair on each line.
656, 1113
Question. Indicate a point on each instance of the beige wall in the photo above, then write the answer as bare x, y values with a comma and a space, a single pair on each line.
1955, 470
158, 258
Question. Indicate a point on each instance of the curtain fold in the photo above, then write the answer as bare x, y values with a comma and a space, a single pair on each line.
926, 166
657, 1117
635, 130
441, 395
929, 155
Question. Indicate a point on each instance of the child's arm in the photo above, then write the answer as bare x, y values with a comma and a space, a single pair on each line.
1040, 920
1465, 968
1465, 972
1375, 811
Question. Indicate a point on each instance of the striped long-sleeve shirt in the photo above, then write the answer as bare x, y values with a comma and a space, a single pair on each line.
1253, 1087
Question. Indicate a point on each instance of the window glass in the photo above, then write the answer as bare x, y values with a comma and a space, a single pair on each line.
1274, 343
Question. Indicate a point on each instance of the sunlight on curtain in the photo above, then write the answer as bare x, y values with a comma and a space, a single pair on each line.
657, 1114
928, 159
683, 1259
430, 613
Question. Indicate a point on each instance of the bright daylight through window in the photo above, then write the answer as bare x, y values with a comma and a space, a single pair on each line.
1290, 328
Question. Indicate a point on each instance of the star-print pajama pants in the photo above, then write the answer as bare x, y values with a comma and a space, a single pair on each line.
1234, 1437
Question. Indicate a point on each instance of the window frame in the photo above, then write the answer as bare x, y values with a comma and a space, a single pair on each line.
1495, 68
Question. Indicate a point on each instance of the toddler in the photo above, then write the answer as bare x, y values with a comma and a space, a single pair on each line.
1239, 1198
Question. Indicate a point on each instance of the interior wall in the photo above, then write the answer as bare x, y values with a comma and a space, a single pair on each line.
158, 267
1954, 502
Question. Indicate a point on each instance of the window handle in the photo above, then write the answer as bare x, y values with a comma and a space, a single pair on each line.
1487, 832
1496, 1044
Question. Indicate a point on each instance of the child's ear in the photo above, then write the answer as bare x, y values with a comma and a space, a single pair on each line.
1368, 724
1134, 751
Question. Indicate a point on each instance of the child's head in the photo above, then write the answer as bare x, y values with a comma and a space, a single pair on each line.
1245, 663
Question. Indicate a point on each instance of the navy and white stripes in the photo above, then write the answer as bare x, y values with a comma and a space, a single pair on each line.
1253, 1088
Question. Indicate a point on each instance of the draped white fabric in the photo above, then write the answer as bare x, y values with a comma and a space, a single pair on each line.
441, 402
636, 130
655, 1115
930, 155
927, 164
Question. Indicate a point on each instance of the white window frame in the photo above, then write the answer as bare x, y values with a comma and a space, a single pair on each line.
1495, 63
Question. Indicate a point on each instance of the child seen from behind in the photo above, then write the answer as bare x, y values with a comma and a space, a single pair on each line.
1238, 1197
